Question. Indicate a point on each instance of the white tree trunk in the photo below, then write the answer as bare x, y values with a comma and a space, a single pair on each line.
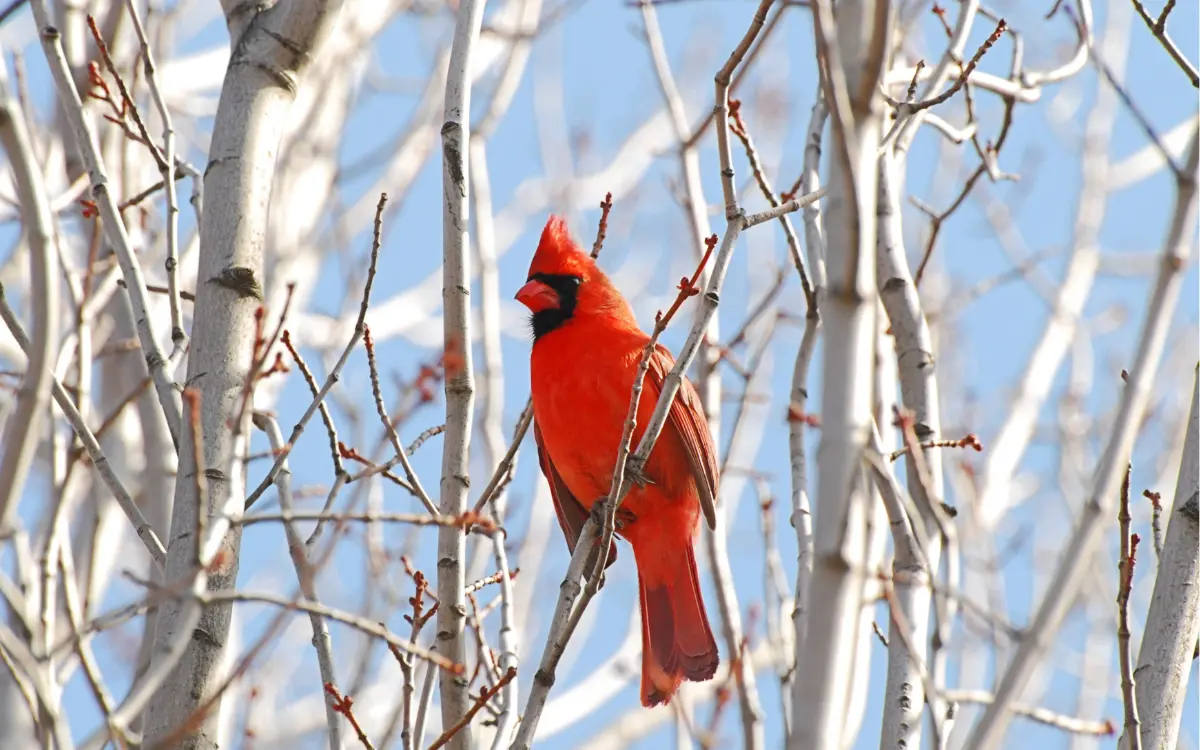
855, 61
460, 384
904, 701
256, 97
18, 443
1173, 623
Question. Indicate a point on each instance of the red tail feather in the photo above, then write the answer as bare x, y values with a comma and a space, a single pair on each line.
677, 642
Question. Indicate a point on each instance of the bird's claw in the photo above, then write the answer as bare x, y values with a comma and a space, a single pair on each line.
637, 476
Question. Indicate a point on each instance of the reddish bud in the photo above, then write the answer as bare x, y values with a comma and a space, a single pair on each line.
796, 414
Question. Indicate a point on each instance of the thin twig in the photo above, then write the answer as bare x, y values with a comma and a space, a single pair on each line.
971, 440
738, 127
137, 198
1159, 29
1124, 589
504, 470
359, 328
783, 209
423, 704
479, 525
417, 620
1156, 511
344, 705
425, 435
1138, 116
90, 444
1071, 724
114, 227
602, 230
339, 469
390, 428
486, 695
967, 70
305, 575
128, 105
178, 336
75, 613
361, 624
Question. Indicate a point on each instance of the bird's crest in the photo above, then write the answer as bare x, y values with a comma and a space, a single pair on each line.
557, 253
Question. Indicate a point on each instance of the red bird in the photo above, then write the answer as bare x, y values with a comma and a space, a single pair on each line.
586, 350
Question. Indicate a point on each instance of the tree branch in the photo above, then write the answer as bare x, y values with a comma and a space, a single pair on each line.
460, 383
25, 424
1173, 621
1068, 577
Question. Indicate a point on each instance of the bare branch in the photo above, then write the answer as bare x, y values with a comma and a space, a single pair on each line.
332, 378
24, 428
1124, 588
321, 639
1041, 715
484, 697
853, 68
460, 383
114, 226
390, 427
814, 237
1173, 621
1068, 576
257, 93
101, 463
1158, 27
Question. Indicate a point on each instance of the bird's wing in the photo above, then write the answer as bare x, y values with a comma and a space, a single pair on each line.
687, 419
571, 513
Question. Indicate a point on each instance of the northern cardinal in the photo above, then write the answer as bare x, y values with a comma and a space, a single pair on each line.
586, 350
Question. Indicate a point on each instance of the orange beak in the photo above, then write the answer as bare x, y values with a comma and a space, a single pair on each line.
538, 296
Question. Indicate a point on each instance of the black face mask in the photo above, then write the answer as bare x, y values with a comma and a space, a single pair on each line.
566, 287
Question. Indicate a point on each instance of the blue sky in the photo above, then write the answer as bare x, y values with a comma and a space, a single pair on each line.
608, 89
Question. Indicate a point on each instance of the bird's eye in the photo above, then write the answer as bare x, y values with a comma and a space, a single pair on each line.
574, 281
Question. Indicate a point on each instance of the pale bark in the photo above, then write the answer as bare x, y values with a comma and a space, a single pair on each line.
91, 446
305, 574
1173, 622
114, 227
709, 386
19, 442
904, 703
814, 238
259, 88
493, 436
1008, 447
854, 49
864, 686
1064, 585
460, 381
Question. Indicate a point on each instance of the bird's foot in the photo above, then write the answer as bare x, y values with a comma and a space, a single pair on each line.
637, 475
